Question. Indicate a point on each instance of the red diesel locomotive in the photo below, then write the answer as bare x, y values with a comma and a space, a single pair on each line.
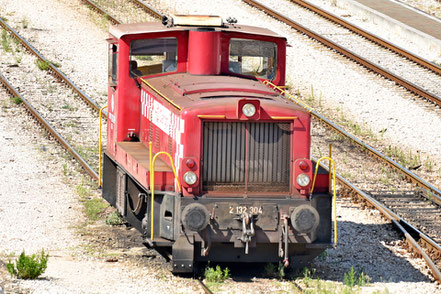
230, 156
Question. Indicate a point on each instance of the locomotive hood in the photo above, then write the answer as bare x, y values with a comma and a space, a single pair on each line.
190, 92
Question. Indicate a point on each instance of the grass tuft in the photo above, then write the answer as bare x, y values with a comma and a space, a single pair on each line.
6, 41
28, 266
42, 65
94, 208
216, 275
352, 279
114, 219
16, 100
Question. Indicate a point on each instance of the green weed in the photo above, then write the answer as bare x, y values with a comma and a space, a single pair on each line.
408, 159
42, 65
16, 100
28, 266
114, 219
82, 191
68, 107
216, 275
94, 208
271, 270
65, 169
6, 41
428, 165
352, 279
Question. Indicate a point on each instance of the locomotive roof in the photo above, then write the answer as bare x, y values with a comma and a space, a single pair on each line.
184, 90
121, 30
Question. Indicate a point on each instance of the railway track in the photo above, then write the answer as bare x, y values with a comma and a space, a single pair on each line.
418, 241
204, 287
433, 194
71, 121
419, 76
115, 14
95, 173
56, 72
48, 126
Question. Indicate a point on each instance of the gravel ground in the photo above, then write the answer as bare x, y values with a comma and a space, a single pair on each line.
76, 267
41, 210
429, 6
67, 274
432, 7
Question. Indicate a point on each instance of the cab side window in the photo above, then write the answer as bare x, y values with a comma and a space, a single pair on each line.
253, 58
113, 64
153, 56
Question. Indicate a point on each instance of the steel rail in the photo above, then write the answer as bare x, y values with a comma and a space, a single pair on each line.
150, 10
436, 197
347, 53
370, 36
100, 10
60, 75
411, 233
204, 287
49, 127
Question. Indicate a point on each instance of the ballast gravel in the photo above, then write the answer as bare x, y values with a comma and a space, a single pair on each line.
80, 49
40, 210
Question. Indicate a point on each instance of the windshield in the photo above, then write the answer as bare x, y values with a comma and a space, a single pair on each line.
253, 58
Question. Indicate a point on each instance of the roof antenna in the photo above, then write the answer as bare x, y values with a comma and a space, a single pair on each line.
164, 20
231, 20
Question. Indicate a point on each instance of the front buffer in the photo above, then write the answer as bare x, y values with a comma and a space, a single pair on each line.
248, 230
221, 229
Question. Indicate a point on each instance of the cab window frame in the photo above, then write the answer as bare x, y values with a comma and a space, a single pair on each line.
113, 64
146, 69
249, 38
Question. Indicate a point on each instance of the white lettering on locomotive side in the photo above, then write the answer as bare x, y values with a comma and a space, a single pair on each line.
112, 110
112, 117
159, 115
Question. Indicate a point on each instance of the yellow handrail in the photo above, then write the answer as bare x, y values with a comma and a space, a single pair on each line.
152, 181
285, 92
99, 164
334, 194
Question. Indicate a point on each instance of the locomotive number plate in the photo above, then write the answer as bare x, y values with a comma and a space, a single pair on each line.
245, 209
227, 214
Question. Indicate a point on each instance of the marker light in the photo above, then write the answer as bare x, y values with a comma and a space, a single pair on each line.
303, 180
190, 163
190, 178
303, 165
249, 109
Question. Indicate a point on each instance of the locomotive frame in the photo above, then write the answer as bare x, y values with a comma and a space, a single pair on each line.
190, 92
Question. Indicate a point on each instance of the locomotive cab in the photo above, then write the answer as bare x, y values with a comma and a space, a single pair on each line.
203, 158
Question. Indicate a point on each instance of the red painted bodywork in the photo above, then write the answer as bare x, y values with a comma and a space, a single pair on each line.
204, 52
169, 109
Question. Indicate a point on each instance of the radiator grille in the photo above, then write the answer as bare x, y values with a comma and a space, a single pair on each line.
246, 157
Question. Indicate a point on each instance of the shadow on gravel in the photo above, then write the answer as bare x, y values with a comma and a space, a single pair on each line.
374, 249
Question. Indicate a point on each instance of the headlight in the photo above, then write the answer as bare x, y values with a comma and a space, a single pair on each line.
190, 178
303, 180
249, 110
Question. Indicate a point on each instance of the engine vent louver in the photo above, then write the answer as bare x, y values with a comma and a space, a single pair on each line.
246, 157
